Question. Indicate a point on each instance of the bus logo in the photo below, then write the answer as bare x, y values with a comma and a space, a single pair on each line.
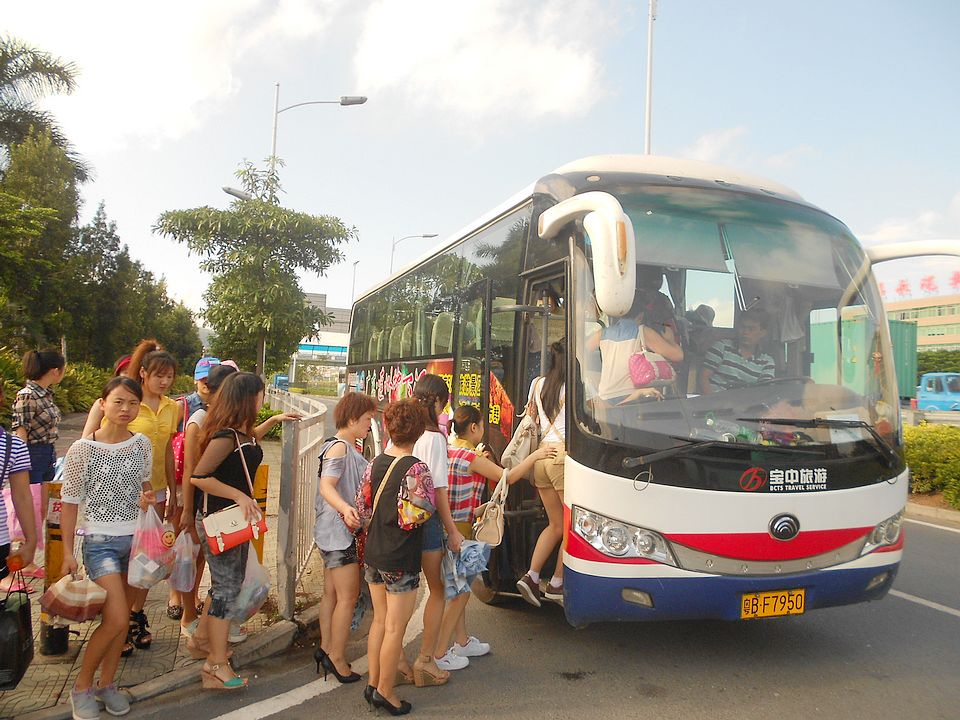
753, 479
784, 527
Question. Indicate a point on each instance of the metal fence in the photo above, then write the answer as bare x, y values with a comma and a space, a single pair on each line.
298, 488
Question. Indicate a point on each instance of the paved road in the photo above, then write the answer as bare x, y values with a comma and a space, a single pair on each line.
893, 658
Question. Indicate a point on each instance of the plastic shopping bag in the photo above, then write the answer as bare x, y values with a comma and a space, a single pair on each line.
253, 592
184, 572
16, 637
151, 558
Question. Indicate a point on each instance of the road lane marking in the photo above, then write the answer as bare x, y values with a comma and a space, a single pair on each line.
932, 525
926, 603
300, 695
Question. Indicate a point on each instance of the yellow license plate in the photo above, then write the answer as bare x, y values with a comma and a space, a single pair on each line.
772, 604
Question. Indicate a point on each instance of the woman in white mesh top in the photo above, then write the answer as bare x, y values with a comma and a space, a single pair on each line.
108, 475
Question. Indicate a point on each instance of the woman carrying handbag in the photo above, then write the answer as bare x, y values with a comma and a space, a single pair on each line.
230, 456
108, 475
547, 397
470, 471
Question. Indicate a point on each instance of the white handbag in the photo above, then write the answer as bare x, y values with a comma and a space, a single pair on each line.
488, 525
524, 441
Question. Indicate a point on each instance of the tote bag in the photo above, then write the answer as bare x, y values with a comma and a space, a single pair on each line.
16, 637
488, 526
649, 369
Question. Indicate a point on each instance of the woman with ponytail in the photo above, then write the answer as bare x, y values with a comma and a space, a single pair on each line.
155, 370
546, 403
36, 421
432, 393
470, 471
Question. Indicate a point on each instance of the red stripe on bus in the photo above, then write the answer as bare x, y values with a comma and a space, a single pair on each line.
761, 546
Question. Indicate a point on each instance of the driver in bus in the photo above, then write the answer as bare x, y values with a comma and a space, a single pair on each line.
738, 363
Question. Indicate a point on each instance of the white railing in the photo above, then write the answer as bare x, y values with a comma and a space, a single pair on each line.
299, 465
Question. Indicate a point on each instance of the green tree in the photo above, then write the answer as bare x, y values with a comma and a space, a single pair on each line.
254, 250
26, 75
937, 361
42, 175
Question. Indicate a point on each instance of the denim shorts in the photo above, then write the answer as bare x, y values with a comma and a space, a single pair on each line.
333, 559
43, 458
433, 534
396, 581
226, 574
106, 554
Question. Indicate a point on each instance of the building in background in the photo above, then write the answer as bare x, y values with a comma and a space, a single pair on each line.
937, 319
320, 362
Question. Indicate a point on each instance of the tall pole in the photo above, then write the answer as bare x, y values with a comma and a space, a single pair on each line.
353, 287
276, 114
649, 112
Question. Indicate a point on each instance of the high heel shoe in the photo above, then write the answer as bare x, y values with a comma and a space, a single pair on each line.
379, 701
319, 655
329, 667
368, 695
211, 680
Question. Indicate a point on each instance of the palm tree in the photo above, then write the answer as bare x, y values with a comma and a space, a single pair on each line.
27, 74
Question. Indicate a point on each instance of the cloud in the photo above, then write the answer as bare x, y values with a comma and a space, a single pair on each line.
921, 226
789, 157
152, 71
484, 62
715, 146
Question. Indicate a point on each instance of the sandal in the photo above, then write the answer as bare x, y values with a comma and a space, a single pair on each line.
174, 612
202, 651
403, 679
212, 680
138, 634
424, 675
127, 650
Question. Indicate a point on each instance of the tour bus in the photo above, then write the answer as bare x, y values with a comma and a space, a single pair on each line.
769, 498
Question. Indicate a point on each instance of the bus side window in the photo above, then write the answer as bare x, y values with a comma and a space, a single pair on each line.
394, 344
406, 340
441, 341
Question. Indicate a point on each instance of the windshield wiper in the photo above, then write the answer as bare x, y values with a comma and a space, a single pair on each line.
882, 447
695, 445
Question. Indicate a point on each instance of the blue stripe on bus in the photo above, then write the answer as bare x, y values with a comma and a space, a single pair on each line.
588, 598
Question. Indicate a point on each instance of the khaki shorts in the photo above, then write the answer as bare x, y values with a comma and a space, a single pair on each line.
548, 473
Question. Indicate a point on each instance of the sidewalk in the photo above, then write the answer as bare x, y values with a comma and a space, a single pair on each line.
47, 683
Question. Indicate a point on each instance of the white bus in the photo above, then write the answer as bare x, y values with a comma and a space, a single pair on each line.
772, 495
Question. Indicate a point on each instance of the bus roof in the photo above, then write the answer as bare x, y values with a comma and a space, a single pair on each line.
675, 167
636, 164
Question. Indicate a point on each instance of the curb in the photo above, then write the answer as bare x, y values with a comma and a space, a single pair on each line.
925, 512
268, 642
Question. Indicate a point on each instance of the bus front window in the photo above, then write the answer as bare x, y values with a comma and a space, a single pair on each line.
756, 322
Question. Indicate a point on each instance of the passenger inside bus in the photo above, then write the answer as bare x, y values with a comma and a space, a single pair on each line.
621, 340
739, 362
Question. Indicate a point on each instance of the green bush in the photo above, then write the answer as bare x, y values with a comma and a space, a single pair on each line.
933, 454
182, 385
264, 413
81, 386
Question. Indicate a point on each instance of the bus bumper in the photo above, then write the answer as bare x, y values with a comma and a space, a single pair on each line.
591, 598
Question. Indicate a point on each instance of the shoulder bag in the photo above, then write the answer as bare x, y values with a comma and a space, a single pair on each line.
525, 440
228, 528
415, 503
488, 526
177, 442
647, 368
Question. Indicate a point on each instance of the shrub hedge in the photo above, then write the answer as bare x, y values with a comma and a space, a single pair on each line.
933, 454
266, 412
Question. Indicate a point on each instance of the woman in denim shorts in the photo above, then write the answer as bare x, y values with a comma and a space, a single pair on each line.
341, 469
392, 554
108, 475
229, 456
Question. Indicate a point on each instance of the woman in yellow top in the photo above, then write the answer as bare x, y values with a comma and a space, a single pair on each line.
159, 418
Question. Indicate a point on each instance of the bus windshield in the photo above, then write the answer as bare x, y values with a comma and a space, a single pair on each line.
756, 322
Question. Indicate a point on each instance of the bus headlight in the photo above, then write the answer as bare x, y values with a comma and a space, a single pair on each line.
619, 539
884, 534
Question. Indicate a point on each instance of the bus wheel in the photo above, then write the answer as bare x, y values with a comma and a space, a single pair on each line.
484, 591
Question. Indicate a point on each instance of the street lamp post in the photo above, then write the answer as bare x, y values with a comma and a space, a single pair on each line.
406, 237
344, 100
353, 287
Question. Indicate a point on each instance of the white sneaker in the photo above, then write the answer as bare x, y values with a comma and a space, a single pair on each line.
237, 633
450, 661
473, 648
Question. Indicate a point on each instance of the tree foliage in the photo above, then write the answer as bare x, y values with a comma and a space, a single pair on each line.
254, 250
937, 361
26, 75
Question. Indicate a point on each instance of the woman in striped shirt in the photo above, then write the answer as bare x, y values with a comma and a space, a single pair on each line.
470, 470
15, 471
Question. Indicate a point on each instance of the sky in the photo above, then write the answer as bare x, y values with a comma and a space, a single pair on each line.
853, 104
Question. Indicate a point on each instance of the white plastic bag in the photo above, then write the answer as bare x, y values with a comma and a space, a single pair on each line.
254, 591
184, 572
150, 557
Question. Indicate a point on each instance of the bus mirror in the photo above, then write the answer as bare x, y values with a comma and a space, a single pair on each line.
610, 234
614, 261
